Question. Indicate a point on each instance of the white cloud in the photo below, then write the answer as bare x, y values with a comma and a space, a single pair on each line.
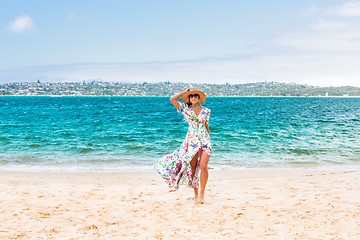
326, 25
22, 24
348, 9
322, 43
324, 36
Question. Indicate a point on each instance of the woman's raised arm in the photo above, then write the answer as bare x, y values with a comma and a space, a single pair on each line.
174, 99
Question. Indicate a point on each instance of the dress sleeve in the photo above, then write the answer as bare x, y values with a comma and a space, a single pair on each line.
182, 108
208, 116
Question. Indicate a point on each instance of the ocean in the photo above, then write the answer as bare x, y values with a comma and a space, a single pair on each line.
130, 133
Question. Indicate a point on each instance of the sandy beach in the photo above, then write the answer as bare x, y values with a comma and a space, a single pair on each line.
241, 204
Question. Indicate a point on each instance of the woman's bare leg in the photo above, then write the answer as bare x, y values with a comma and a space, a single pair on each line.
193, 165
204, 175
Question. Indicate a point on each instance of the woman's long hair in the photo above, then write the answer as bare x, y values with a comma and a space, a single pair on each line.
189, 104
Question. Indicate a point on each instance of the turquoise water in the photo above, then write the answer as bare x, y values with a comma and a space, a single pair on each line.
122, 133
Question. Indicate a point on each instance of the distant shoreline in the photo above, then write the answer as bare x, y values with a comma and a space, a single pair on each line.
259, 89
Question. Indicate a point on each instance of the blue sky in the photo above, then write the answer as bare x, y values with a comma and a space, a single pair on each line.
301, 41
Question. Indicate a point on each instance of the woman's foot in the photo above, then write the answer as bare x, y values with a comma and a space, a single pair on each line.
200, 199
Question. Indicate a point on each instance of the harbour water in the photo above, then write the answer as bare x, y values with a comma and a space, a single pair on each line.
131, 133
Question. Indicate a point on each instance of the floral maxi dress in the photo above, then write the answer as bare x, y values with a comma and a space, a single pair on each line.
175, 168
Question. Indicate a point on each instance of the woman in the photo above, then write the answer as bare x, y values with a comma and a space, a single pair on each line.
183, 165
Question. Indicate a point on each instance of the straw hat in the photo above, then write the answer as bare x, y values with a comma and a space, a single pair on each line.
185, 99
